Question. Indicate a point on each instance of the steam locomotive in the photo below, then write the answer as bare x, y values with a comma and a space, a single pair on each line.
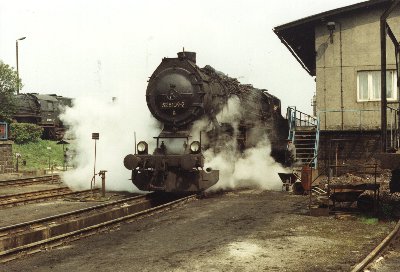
178, 94
42, 110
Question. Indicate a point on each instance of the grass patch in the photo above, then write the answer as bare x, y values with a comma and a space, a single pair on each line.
37, 155
369, 220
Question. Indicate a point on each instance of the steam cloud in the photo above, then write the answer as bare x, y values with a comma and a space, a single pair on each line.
116, 123
254, 168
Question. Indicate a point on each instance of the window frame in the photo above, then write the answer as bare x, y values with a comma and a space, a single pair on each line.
370, 86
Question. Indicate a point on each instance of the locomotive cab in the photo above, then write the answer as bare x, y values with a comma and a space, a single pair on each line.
175, 165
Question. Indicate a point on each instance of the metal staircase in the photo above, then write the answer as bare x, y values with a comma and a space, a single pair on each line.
304, 133
304, 140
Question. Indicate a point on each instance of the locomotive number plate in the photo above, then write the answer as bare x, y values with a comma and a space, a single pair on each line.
173, 105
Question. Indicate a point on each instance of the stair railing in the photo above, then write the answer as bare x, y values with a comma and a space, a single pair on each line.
296, 119
291, 117
315, 159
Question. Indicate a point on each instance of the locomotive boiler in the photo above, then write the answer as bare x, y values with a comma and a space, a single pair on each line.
180, 93
42, 110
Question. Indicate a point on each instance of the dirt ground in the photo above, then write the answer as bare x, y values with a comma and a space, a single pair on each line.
248, 230
389, 261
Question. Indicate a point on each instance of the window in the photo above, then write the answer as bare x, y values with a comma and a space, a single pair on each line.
369, 85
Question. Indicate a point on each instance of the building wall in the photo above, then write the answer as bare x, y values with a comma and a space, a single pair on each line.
337, 64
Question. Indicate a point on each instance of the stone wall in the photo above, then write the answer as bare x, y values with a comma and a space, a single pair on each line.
6, 157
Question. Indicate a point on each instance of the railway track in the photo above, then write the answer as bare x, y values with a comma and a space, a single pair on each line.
36, 196
33, 236
30, 181
367, 261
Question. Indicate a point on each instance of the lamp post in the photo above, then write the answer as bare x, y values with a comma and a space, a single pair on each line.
16, 50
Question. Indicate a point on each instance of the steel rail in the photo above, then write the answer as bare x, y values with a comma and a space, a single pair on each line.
30, 180
76, 212
12, 200
374, 253
7, 253
22, 195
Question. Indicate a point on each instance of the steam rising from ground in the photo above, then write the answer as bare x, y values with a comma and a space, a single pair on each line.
254, 168
116, 123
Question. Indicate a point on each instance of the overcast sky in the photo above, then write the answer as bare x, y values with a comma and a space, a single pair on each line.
108, 48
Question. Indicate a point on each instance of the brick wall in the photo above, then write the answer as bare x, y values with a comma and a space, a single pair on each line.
346, 148
6, 157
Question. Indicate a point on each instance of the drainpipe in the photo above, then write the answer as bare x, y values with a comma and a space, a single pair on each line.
331, 27
341, 74
383, 31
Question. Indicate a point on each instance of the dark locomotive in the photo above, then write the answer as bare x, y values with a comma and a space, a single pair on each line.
180, 93
42, 110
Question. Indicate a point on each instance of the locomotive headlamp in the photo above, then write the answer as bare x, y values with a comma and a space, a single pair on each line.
195, 147
142, 147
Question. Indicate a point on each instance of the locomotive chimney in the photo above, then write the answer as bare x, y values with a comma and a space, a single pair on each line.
187, 55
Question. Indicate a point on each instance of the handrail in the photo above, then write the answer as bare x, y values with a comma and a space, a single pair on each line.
344, 111
296, 119
394, 130
360, 111
301, 118
393, 122
316, 146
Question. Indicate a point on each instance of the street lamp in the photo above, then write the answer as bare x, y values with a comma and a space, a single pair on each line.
16, 50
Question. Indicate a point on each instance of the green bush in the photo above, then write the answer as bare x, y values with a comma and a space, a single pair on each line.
23, 133
37, 155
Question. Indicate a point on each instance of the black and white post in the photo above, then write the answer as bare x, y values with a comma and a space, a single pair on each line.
95, 137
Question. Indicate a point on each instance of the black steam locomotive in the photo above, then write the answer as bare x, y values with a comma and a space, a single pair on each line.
180, 93
42, 110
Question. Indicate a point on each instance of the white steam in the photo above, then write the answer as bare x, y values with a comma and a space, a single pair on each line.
116, 123
253, 168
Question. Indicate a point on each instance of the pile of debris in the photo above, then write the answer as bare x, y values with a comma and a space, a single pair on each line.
389, 202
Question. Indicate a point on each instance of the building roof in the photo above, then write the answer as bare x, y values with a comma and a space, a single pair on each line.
299, 36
